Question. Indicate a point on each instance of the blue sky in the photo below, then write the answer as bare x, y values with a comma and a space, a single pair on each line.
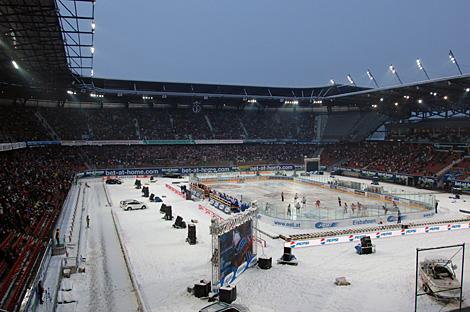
278, 42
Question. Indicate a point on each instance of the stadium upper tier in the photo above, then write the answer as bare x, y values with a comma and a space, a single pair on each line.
31, 124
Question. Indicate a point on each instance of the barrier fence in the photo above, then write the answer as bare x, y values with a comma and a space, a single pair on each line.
377, 235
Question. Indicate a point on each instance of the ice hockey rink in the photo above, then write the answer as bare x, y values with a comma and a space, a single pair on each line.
162, 264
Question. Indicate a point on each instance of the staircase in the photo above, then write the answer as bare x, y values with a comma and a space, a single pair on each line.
209, 125
46, 126
320, 123
243, 128
137, 128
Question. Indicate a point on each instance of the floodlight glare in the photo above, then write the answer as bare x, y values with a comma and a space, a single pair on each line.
351, 81
453, 59
15, 65
418, 62
392, 69
467, 90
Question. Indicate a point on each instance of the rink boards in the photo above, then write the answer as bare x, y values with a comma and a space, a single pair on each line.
377, 235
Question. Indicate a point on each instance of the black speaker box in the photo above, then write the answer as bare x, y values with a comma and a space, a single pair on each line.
265, 263
168, 213
202, 289
287, 250
228, 294
191, 234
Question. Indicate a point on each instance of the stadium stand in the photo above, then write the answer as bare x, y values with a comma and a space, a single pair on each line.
351, 126
391, 157
452, 130
20, 124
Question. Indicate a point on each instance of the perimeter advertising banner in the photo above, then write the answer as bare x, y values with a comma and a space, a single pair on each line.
184, 170
236, 252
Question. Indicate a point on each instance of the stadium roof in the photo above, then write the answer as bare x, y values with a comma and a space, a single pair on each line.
437, 95
39, 45
51, 44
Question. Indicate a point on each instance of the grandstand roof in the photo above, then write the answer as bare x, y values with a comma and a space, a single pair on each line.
439, 95
34, 35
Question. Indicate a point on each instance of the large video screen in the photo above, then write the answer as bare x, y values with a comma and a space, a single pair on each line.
236, 252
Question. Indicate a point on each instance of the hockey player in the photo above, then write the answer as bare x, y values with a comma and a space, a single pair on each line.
339, 201
289, 211
317, 203
296, 196
304, 202
353, 207
282, 196
345, 210
297, 208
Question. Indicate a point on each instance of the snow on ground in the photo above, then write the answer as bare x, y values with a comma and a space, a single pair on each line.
164, 264
105, 285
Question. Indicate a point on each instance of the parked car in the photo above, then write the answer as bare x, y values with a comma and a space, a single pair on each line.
113, 181
222, 307
132, 204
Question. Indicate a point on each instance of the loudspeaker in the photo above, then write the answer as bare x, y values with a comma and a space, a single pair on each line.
191, 234
287, 250
152, 196
265, 263
162, 208
179, 223
202, 289
168, 213
228, 294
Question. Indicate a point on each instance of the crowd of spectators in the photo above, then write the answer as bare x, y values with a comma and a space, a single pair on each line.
390, 157
193, 155
34, 184
153, 124
20, 124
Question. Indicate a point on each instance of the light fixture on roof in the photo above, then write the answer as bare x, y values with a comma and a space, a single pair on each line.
15, 65
374, 105
406, 97
292, 102
92, 49
445, 97
92, 72
332, 82
420, 101
381, 99
351, 81
252, 101
371, 77
454, 60
396, 103
93, 25
394, 71
317, 102
145, 97
467, 90
71, 92
421, 67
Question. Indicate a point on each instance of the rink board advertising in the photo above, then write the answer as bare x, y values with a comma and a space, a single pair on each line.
236, 252
185, 170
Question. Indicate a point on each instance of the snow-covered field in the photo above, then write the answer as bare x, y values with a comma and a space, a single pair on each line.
164, 265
